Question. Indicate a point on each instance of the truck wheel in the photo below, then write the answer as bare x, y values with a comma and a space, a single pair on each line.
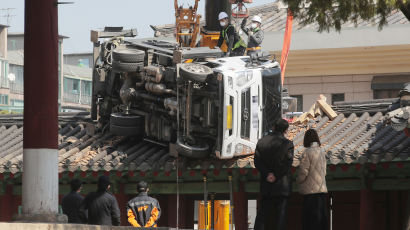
120, 119
127, 67
128, 55
126, 130
193, 151
195, 72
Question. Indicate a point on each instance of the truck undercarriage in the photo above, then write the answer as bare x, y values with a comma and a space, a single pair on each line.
189, 99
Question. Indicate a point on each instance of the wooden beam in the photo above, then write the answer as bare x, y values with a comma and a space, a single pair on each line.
327, 109
184, 188
391, 184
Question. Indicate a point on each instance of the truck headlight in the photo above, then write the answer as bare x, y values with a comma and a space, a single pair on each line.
242, 149
239, 148
244, 77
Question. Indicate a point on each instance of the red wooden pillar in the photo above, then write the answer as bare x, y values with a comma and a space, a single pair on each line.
163, 202
6, 204
40, 154
122, 200
186, 212
366, 210
240, 200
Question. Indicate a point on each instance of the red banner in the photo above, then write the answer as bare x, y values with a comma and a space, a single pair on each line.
286, 45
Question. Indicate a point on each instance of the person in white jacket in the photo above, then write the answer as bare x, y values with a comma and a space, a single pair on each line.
312, 183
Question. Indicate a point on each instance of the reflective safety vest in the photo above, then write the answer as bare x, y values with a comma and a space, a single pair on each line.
238, 44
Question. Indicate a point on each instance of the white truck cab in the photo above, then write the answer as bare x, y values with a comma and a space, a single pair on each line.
243, 103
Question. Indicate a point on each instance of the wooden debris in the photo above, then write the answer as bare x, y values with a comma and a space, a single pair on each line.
317, 109
327, 109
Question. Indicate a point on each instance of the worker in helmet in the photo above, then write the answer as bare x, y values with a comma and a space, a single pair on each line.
229, 40
255, 34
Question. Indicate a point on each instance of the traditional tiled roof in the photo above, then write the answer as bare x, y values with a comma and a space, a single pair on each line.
353, 139
274, 19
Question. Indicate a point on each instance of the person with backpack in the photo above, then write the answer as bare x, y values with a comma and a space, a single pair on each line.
273, 159
229, 40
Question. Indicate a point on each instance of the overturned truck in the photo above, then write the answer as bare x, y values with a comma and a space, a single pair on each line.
192, 100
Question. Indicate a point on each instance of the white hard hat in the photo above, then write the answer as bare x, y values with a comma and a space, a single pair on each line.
256, 18
222, 15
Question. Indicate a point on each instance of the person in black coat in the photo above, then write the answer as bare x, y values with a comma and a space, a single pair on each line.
273, 159
101, 207
72, 201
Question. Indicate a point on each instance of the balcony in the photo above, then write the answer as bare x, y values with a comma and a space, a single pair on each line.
16, 88
77, 98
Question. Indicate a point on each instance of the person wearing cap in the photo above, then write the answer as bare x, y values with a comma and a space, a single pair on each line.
229, 40
255, 34
101, 207
72, 201
143, 210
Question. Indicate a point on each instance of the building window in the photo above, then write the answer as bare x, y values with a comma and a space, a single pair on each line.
337, 97
4, 99
300, 102
4, 82
71, 90
385, 93
16, 82
84, 62
17, 103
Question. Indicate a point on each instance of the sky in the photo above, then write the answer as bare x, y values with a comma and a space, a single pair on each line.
76, 20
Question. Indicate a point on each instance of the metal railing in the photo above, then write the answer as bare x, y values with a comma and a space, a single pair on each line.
16, 88
77, 98
72, 98
85, 99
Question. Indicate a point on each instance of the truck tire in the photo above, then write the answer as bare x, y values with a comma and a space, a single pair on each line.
120, 119
195, 72
128, 55
127, 67
126, 130
198, 151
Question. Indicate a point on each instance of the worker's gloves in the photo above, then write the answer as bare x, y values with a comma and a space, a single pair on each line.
244, 21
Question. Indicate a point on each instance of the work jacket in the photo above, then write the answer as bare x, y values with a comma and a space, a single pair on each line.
100, 208
143, 211
274, 154
312, 171
231, 38
255, 36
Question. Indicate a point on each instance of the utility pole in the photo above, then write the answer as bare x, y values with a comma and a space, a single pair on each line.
40, 146
7, 14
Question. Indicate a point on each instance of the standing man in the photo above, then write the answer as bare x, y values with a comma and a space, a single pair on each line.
229, 40
255, 35
143, 211
101, 207
71, 202
273, 159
